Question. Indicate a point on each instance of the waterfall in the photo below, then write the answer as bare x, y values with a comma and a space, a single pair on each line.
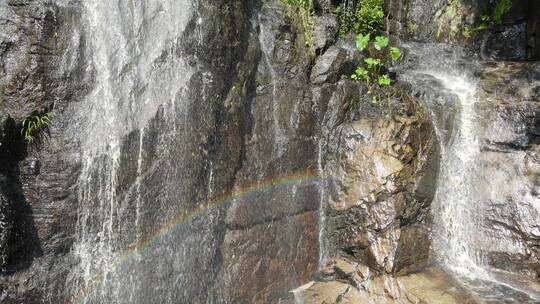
323, 201
139, 75
444, 76
455, 208
451, 103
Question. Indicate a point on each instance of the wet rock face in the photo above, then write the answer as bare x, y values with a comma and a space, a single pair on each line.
508, 42
253, 125
377, 205
345, 281
264, 113
510, 156
514, 38
264, 122
430, 21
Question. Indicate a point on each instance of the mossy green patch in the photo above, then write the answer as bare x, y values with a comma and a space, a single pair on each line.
367, 17
304, 9
450, 20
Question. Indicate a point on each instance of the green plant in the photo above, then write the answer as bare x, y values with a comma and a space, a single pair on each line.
374, 65
346, 20
362, 41
500, 8
305, 4
366, 17
34, 125
360, 74
380, 42
369, 16
384, 80
371, 73
305, 10
395, 53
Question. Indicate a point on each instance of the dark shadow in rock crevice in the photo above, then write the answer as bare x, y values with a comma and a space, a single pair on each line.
23, 244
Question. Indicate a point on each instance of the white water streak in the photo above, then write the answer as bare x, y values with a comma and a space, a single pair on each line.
267, 42
456, 211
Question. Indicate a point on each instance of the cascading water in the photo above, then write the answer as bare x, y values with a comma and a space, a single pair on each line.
138, 108
455, 210
459, 202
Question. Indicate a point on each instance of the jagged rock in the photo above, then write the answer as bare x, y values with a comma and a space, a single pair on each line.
6, 223
339, 60
254, 258
430, 286
510, 158
515, 38
371, 163
324, 32
507, 43
329, 292
239, 151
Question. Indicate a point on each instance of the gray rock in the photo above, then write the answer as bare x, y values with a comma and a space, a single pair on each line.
372, 199
217, 190
506, 43
339, 60
324, 32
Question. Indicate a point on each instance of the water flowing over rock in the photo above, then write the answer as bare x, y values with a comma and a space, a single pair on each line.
218, 152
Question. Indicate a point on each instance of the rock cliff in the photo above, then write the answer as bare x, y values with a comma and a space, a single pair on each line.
269, 169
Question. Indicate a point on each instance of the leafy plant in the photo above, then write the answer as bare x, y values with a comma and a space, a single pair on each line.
367, 17
305, 10
362, 41
395, 53
500, 8
380, 42
305, 4
374, 65
384, 80
346, 20
34, 125
360, 74
371, 73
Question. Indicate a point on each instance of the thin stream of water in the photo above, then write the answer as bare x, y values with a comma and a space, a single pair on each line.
458, 216
455, 213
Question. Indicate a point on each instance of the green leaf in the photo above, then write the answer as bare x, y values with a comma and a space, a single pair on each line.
362, 41
384, 80
372, 62
381, 42
467, 32
501, 8
395, 53
45, 120
360, 73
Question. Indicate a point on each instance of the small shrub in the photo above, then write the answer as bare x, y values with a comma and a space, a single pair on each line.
384, 80
366, 18
499, 9
380, 42
369, 17
346, 20
34, 125
395, 53
371, 73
